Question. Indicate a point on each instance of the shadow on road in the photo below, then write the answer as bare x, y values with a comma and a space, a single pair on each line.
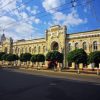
21, 86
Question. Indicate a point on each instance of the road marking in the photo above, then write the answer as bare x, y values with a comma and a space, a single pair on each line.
52, 84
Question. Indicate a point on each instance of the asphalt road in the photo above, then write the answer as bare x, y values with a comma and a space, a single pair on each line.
23, 86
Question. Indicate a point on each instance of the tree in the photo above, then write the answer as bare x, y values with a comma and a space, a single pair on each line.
54, 57
40, 58
77, 56
70, 57
1, 54
60, 58
21, 57
57, 56
4, 57
94, 57
49, 56
11, 58
25, 57
33, 58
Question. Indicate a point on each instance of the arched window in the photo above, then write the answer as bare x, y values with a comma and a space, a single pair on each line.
44, 48
95, 46
29, 49
22, 50
26, 50
84, 46
39, 49
69, 46
5, 50
34, 49
18, 50
76, 46
54, 46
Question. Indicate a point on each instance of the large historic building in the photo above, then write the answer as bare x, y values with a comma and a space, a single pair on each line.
56, 38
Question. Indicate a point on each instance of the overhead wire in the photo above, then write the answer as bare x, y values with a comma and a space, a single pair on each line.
49, 10
7, 4
22, 4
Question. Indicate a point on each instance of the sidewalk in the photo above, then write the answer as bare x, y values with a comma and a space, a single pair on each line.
69, 71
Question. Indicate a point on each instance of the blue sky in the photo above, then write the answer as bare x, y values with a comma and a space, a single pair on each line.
28, 19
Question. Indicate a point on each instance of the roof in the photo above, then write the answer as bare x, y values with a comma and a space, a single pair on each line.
84, 31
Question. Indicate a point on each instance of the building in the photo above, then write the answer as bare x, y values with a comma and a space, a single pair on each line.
56, 38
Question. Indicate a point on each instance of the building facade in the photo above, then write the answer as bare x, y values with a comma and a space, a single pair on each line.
56, 38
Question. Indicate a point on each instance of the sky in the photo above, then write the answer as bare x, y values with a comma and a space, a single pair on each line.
28, 19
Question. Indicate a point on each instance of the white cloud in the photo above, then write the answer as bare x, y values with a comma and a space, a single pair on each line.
33, 19
49, 4
6, 20
70, 19
22, 20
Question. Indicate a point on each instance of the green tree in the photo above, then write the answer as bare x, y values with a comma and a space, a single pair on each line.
4, 58
54, 57
33, 59
60, 58
21, 57
25, 57
70, 56
94, 57
57, 56
77, 56
1, 54
49, 56
40, 58
11, 58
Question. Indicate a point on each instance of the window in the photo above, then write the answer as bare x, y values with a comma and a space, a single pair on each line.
39, 49
84, 46
44, 48
22, 50
69, 47
34, 49
18, 50
95, 47
29, 49
25, 50
76, 45
5, 50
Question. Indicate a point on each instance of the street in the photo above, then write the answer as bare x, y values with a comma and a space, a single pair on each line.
25, 86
